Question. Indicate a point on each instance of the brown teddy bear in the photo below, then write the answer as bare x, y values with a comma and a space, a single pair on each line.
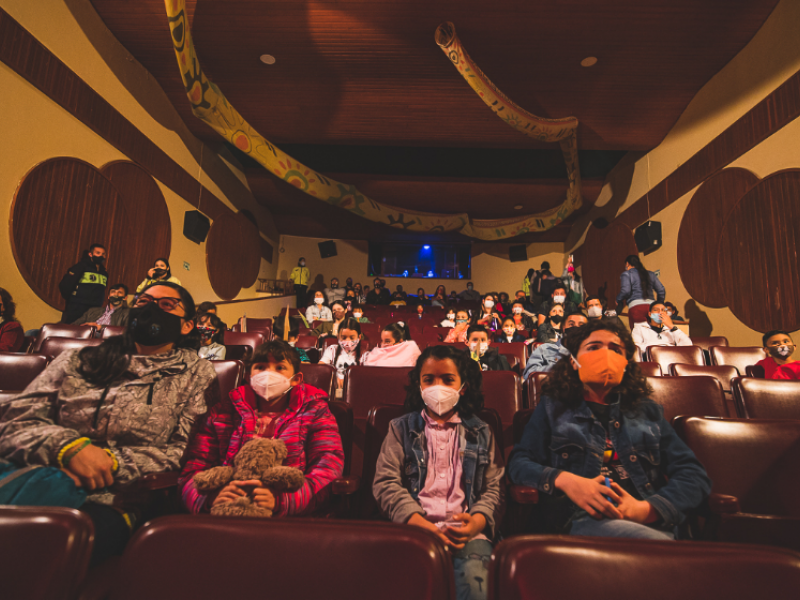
260, 458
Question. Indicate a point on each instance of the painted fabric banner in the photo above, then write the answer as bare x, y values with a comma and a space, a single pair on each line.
210, 105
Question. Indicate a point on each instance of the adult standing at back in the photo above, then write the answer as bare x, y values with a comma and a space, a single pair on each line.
300, 277
638, 288
84, 285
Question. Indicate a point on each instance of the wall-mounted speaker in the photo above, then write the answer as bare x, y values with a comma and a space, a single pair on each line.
648, 237
196, 226
518, 253
327, 249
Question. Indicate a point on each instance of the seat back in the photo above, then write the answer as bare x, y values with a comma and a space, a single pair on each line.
305, 342
520, 422
236, 352
767, 398
344, 421
321, 376
754, 460
690, 396
110, 331
53, 346
18, 370
372, 331
724, 374
516, 349
756, 371
706, 570
78, 332
534, 383
668, 355
501, 392
365, 387
637, 355
44, 552
739, 357
707, 342
650, 369
341, 560
230, 375
253, 339
254, 325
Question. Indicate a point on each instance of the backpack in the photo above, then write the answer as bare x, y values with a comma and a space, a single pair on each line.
38, 486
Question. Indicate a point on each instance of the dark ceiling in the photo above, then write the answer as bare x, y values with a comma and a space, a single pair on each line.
361, 91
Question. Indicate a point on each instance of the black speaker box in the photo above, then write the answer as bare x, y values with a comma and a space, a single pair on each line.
196, 226
327, 249
518, 253
648, 237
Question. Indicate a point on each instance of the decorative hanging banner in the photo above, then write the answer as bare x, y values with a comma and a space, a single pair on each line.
210, 105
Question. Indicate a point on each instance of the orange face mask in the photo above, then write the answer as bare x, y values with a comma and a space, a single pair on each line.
602, 367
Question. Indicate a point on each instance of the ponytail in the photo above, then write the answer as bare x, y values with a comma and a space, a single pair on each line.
644, 276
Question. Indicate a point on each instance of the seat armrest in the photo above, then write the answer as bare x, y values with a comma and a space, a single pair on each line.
722, 504
523, 494
345, 486
159, 481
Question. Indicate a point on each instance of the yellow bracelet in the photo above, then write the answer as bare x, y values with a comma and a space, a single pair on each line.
69, 447
115, 462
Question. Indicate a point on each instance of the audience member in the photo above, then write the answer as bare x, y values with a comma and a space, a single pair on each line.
378, 294
658, 330
84, 285
291, 339
212, 339
300, 277
779, 348
419, 312
573, 282
452, 298
334, 292
107, 415
11, 334
346, 353
672, 312
350, 300
638, 288
400, 291
545, 356
395, 350
558, 296
522, 320
510, 333
503, 305
595, 309
470, 294
358, 315
527, 283
482, 352
528, 308
348, 283
450, 319
550, 329
331, 328
600, 400
487, 316
398, 299
543, 285
452, 485
422, 298
113, 312
276, 404
440, 297
361, 297
319, 311
204, 310
158, 274
458, 334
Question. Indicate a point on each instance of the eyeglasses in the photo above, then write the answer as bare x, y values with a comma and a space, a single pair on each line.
167, 303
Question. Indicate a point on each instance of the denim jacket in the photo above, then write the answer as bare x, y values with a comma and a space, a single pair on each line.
630, 285
402, 469
661, 466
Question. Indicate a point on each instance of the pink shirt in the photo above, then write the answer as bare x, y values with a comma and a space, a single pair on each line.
442, 494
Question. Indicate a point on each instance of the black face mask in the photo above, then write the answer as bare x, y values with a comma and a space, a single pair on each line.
115, 300
98, 260
159, 272
152, 326
334, 286
556, 319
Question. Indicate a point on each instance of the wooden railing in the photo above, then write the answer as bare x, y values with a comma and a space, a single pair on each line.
274, 288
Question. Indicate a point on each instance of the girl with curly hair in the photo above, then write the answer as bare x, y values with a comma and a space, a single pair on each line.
437, 467
601, 454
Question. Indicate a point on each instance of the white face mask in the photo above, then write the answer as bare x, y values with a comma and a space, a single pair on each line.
440, 398
559, 299
509, 331
517, 310
302, 263
319, 301
451, 317
595, 311
357, 315
476, 347
270, 384
348, 345
488, 303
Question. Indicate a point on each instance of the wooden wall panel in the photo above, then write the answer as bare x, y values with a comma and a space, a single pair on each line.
603, 259
250, 252
700, 232
233, 255
758, 253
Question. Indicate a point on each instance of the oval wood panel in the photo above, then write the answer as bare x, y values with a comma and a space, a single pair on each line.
233, 255
147, 235
700, 232
604, 259
758, 249
61, 206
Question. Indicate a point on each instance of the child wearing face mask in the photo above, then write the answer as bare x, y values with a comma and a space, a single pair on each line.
211, 339
780, 348
276, 404
645, 480
450, 320
488, 316
458, 334
358, 315
346, 353
481, 352
319, 310
428, 474
396, 349
510, 333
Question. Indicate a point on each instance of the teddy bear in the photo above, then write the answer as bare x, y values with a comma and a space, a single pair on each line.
261, 459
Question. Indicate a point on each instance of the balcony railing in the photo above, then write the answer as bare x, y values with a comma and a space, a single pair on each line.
275, 288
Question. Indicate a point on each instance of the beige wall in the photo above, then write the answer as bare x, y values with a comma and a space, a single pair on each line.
763, 65
491, 269
36, 129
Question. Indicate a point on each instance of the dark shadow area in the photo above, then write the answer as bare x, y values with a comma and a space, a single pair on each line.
699, 323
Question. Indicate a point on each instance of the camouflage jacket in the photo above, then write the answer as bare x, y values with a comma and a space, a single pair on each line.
145, 418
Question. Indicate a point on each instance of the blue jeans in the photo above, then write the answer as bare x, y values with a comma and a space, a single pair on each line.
618, 528
471, 568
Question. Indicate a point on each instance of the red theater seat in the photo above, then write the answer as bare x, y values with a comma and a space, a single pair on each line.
767, 398
252, 339
668, 355
79, 332
724, 374
501, 392
110, 331
53, 346
650, 369
689, 396
534, 386
18, 370
321, 376
230, 375
739, 357
707, 342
